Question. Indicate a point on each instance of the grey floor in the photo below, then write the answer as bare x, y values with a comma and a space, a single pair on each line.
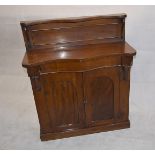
19, 128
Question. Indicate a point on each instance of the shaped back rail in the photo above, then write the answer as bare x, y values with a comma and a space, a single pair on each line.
63, 33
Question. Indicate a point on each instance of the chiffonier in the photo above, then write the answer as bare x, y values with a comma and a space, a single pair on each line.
80, 74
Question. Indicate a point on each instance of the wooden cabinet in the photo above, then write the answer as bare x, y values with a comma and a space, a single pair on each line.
80, 74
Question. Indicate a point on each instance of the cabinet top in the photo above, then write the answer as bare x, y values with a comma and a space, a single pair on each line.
78, 53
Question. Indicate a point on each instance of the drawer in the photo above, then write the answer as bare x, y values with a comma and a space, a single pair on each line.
81, 64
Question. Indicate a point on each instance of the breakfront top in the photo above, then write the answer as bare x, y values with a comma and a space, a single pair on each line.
75, 39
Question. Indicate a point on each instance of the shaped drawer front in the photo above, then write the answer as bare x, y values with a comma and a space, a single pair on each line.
81, 65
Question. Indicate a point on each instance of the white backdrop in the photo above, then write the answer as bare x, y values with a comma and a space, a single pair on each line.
16, 95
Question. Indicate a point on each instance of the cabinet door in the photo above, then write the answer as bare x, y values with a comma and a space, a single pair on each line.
101, 89
64, 100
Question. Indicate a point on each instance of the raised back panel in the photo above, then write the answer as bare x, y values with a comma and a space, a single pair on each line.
71, 32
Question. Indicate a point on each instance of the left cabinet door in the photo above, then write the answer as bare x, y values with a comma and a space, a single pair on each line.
63, 95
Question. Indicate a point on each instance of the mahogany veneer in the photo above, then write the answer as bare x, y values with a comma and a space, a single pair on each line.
80, 74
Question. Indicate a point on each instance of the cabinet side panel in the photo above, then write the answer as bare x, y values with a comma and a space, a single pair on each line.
45, 124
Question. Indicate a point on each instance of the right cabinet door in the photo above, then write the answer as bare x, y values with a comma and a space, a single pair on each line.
101, 91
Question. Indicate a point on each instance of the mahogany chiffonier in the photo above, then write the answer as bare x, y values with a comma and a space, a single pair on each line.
80, 74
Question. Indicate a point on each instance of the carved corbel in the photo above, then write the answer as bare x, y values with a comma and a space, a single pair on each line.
125, 67
124, 72
34, 74
36, 83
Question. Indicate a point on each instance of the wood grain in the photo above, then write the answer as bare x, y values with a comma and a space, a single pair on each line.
80, 74
73, 31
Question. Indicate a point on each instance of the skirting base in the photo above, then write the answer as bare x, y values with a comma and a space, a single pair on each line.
84, 131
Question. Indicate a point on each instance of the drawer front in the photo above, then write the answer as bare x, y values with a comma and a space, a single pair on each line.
81, 65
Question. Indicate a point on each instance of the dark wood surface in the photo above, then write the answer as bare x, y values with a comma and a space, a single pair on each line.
80, 74
38, 56
74, 31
